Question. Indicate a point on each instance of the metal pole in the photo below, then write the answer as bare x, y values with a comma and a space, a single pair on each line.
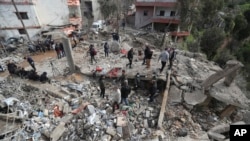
19, 16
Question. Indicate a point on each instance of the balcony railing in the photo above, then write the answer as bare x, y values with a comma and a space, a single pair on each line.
161, 3
19, 2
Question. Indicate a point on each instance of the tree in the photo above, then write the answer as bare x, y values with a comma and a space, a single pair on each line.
211, 40
247, 15
229, 24
107, 8
210, 8
240, 23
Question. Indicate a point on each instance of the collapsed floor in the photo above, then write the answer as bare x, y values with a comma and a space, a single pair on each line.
86, 116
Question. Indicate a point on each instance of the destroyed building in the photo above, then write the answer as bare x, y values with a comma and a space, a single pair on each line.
194, 97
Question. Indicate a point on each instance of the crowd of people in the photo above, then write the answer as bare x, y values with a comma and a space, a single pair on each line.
167, 56
14, 70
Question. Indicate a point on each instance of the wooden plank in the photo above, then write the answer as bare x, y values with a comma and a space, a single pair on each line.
227, 111
164, 102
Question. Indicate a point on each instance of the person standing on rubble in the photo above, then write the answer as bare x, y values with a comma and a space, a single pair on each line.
102, 86
130, 57
148, 56
57, 49
125, 91
31, 62
122, 78
172, 57
137, 81
106, 49
145, 52
62, 49
92, 52
164, 56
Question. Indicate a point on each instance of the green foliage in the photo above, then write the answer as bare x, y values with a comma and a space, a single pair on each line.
223, 56
107, 8
245, 7
210, 8
247, 15
211, 40
229, 24
244, 33
243, 53
240, 23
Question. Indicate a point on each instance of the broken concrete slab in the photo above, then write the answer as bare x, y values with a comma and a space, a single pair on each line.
111, 131
175, 95
91, 109
194, 98
58, 132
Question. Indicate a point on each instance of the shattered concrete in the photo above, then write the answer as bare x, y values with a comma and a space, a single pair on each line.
87, 116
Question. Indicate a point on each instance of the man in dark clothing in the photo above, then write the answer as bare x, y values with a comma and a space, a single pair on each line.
58, 51
106, 49
137, 81
31, 62
115, 37
32, 75
125, 91
152, 90
11, 67
102, 86
172, 56
130, 57
62, 49
44, 78
149, 54
92, 52
122, 78
23, 73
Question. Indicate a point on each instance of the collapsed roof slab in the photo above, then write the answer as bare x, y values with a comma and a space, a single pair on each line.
230, 95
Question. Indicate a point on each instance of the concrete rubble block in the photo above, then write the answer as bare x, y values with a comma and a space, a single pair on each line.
91, 109
140, 110
126, 132
145, 123
147, 114
66, 109
111, 131
46, 112
106, 138
194, 98
119, 131
58, 132
175, 95
114, 46
121, 121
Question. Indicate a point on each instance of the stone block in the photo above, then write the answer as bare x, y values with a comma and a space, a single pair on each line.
111, 131
145, 123
147, 114
121, 121
91, 109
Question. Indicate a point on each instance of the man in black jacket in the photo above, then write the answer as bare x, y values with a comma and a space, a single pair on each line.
31, 62
102, 86
152, 90
125, 91
130, 58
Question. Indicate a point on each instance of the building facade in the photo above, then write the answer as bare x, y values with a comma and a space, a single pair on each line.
38, 15
158, 15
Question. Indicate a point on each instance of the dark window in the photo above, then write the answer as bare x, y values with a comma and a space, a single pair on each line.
172, 13
162, 13
22, 14
22, 31
145, 13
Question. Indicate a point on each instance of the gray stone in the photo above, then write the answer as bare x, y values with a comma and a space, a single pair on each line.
145, 123
111, 131
114, 46
182, 132
194, 98
91, 109
119, 131
175, 95
106, 138
147, 114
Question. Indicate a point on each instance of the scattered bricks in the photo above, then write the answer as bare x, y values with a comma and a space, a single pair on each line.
111, 131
